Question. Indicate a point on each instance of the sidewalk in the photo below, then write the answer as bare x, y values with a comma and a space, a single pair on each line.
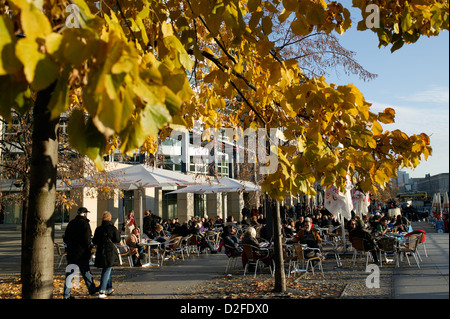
431, 280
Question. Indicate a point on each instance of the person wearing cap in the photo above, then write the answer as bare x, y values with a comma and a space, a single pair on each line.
77, 238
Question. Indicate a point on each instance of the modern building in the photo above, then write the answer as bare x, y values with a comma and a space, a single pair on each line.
184, 152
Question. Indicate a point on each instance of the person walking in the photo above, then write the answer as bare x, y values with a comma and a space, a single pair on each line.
105, 237
77, 238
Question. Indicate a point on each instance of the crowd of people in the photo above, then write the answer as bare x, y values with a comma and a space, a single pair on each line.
253, 230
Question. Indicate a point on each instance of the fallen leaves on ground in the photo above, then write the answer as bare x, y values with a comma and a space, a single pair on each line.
247, 287
11, 288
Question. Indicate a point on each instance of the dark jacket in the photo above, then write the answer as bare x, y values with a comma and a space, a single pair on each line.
105, 237
77, 237
249, 240
359, 232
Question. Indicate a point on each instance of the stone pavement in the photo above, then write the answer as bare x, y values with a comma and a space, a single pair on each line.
176, 279
431, 280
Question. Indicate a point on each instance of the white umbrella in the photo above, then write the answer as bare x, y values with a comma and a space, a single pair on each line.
340, 204
446, 203
142, 176
361, 203
224, 184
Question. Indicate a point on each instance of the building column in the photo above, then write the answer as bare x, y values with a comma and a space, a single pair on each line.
214, 205
235, 205
111, 205
185, 206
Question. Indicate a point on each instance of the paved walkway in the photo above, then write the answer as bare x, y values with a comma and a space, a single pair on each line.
431, 280
175, 279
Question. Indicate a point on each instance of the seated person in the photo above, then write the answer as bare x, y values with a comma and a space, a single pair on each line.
230, 241
382, 227
289, 229
136, 250
250, 239
309, 236
369, 241
400, 224
203, 242
158, 234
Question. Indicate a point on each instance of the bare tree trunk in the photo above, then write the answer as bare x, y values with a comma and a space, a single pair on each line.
37, 245
280, 277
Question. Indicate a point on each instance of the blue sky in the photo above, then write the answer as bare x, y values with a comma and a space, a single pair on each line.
414, 81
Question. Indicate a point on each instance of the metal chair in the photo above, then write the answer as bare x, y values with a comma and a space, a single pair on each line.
231, 258
61, 253
124, 251
409, 247
255, 257
172, 247
359, 248
299, 250
289, 259
387, 246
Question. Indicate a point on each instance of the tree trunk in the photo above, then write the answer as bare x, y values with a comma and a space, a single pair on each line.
37, 245
280, 277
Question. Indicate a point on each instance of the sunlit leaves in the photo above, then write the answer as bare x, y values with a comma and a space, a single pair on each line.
8, 62
405, 21
40, 70
138, 65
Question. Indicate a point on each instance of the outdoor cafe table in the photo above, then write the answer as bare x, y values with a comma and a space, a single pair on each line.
149, 245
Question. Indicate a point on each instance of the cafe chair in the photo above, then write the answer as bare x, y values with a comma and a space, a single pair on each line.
192, 243
387, 246
299, 251
332, 246
409, 247
421, 233
289, 259
359, 249
255, 257
171, 248
124, 252
232, 259
61, 253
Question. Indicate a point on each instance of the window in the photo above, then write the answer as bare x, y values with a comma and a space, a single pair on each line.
169, 205
200, 205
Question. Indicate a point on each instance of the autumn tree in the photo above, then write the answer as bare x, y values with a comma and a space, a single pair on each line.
140, 66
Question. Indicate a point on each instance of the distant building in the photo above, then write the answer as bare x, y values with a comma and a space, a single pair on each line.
432, 184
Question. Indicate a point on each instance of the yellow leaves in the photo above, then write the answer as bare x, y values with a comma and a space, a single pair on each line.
376, 128
404, 21
40, 71
8, 62
387, 116
34, 23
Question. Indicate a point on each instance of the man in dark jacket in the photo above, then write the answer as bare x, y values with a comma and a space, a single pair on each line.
370, 243
77, 238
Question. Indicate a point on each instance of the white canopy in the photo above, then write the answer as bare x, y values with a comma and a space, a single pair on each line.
143, 176
223, 184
